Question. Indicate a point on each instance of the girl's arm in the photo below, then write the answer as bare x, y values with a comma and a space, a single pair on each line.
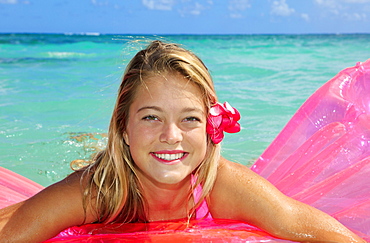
45, 214
241, 194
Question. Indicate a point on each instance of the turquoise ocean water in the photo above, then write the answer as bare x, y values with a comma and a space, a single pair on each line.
57, 91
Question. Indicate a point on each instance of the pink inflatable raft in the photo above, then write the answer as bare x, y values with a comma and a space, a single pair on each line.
321, 157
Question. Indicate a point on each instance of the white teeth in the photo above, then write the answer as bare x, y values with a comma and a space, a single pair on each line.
169, 157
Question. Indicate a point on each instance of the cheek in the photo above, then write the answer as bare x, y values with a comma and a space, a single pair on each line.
140, 136
199, 139
201, 134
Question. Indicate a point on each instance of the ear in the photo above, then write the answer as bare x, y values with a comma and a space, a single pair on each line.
125, 138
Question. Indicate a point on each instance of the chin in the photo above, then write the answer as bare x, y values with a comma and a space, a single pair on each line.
172, 179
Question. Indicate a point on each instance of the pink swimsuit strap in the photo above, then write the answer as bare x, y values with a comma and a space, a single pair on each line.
202, 212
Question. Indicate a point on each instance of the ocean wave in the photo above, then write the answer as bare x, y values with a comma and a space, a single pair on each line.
83, 33
66, 54
29, 60
47, 57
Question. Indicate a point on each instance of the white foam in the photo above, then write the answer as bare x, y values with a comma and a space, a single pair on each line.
65, 54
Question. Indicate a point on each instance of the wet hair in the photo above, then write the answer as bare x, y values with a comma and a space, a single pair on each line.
112, 188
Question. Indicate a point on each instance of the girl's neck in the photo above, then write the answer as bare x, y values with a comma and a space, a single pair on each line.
167, 202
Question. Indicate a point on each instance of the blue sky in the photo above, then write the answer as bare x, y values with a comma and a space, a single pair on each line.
185, 16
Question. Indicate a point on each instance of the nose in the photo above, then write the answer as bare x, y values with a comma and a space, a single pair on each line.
171, 134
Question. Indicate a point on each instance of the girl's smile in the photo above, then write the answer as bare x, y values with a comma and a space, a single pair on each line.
170, 157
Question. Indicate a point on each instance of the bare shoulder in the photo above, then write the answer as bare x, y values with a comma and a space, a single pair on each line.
228, 169
241, 194
47, 213
237, 176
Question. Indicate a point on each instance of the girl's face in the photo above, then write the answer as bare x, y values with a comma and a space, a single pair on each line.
166, 129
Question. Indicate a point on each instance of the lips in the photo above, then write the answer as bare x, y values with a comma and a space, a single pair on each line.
169, 156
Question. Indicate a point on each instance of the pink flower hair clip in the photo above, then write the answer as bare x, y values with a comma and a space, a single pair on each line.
222, 117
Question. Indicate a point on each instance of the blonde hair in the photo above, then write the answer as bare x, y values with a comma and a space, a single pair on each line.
113, 189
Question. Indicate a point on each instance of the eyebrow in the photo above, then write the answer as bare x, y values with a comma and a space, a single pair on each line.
149, 108
187, 109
